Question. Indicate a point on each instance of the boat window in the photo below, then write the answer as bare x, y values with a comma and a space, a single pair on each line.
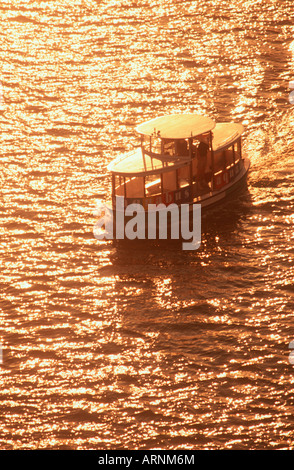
168, 147
175, 147
184, 175
155, 144
238, 153
152, 144
135, 187
152, 185
145, 140
119, 186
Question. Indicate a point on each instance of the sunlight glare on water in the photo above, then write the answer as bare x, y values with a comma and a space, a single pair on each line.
142, 347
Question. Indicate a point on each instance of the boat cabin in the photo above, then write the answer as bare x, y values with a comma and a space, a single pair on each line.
182, 158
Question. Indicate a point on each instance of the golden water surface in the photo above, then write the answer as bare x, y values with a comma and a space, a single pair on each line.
140, 347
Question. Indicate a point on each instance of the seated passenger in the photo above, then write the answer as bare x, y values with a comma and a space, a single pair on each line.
202, 151
182, 147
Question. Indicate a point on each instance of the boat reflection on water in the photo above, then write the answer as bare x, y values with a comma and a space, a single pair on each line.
218, 228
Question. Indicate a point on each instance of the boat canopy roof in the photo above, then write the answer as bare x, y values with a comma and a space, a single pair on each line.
225, 133
177, 126
141, 163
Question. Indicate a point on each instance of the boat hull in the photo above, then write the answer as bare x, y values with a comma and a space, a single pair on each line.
229, 191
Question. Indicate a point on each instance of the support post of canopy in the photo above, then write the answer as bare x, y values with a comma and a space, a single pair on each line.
177, 179
212, 161
125, 188
190, 164
113, 184
143, 151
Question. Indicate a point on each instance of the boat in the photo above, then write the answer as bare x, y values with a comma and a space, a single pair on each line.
181, 159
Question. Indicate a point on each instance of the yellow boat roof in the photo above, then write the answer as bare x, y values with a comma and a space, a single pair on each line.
225, 133
177, 126
140, 162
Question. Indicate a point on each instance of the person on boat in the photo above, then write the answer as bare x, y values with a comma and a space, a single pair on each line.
202, 152
182, 147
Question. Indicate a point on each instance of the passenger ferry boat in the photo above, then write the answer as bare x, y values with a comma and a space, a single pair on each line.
182, 159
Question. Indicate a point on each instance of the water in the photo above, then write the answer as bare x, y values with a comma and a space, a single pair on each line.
143, 346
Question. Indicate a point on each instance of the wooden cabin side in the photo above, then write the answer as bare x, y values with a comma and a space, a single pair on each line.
227, 164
